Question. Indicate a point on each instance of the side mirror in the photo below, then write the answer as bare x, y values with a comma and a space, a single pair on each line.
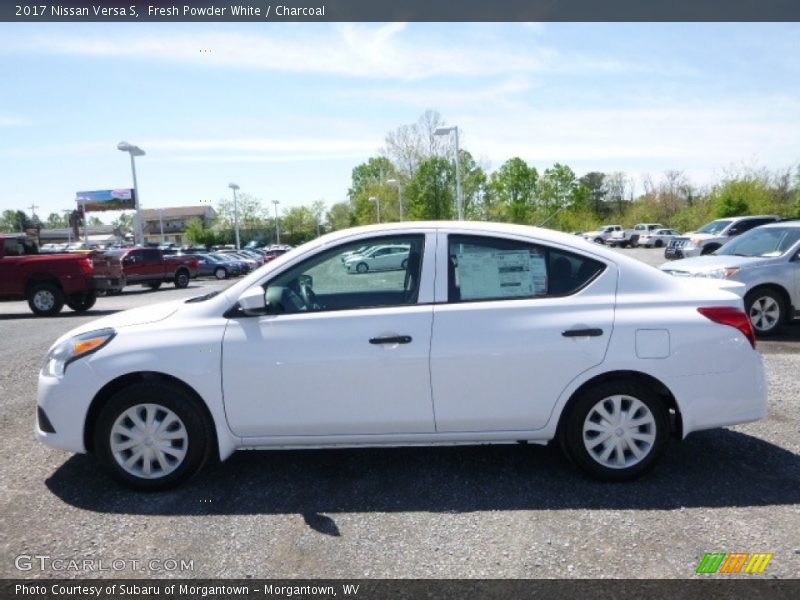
253, 302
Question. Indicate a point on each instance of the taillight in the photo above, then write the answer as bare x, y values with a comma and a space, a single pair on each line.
733, 317
86, 266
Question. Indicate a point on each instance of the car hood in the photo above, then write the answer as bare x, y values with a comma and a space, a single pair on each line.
710, 262
129, 318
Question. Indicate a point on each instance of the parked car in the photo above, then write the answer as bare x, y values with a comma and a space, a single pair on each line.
271, 254
384, 257
150, 267
602, 235
493, 333
239, 264
48, 281
630, 237
657, 238
713, 235
210, 265
767, 261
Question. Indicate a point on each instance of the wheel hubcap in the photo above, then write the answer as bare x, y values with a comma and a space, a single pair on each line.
149, 441
764, 313
44, 300
619, 431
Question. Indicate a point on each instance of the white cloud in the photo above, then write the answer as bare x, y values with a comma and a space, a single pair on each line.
9, 121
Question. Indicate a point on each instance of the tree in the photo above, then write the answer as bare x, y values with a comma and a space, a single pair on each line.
14, 220
594, 182
318, 210
555, 191
430, 192
199, 235
56, 221
513, 189
409, 145
95, 221
298, 225
340, 216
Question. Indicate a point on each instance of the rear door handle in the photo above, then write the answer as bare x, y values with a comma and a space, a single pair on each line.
582, 332
392, 339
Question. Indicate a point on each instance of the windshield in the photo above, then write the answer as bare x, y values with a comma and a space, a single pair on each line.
763, 242
714, 226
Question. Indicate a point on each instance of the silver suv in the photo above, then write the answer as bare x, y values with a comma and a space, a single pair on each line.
712, 235
767, 261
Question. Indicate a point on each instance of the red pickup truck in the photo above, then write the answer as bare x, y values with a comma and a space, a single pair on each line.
148, 266
48, 281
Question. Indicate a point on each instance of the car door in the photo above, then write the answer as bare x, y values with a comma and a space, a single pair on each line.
514, 325
352, 361
134, 266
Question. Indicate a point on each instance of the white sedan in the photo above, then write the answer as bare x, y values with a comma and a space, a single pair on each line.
491, 333
384, 257
657, 238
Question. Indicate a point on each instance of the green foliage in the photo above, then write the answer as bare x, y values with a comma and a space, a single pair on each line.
732, 206
14, 220
56, 221
513, 192
198, 235
298, 225
431, 193
340, 216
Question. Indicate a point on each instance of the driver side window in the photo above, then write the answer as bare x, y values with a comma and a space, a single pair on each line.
371, 273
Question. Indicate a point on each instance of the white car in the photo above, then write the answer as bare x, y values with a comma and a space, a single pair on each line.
602, 234
657, 238
493, 333
384, 257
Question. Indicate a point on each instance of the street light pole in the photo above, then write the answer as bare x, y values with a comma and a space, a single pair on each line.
459, 191
134, 151
277, 223
235, 187
377, 202
161, 223
399, 184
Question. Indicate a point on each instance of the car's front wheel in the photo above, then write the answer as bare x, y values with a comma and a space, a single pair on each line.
765, 308
362, 267
615, 431
220, 273
182, 279
152, 436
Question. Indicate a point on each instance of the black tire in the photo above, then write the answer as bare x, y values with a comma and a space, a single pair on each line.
709, 249
221, 273
182, 279
583, 411
766, 310
634, 241
658, 243
81, 302
599, 240
362, 267
45, 299
197, 445
154, 286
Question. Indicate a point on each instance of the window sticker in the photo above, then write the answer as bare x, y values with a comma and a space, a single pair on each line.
501, 274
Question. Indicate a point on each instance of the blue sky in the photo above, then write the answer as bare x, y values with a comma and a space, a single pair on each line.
287, 110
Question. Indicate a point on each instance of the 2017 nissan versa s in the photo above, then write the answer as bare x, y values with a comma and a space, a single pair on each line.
488, 333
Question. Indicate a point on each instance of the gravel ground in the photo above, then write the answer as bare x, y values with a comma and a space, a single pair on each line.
473, 512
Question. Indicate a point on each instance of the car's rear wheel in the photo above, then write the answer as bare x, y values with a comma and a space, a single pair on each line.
362, 267
220, 273
765, 309
81, 302
45, 299
182, 279
615, 431
152, 436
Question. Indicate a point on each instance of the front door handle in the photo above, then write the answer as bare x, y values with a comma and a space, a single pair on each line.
392, 339
582, 332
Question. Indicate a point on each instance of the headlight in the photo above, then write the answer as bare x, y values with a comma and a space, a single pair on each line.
722, 273
56, 361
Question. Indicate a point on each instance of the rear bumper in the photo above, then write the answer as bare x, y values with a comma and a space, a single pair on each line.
108, 283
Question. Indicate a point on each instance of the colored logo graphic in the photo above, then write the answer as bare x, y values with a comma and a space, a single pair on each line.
735, 562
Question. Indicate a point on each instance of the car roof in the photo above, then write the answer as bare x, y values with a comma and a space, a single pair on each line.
794, 224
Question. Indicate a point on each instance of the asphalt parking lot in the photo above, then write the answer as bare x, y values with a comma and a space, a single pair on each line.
473, 512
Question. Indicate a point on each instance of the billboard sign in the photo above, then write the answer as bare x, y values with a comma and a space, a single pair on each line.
100, 200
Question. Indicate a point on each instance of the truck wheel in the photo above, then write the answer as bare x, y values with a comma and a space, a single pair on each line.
154, 286
81, 302
45, 299
182, 279
634, 241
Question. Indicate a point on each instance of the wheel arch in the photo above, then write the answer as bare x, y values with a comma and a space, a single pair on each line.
112, 387
784, 294
38, 278
660, 389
